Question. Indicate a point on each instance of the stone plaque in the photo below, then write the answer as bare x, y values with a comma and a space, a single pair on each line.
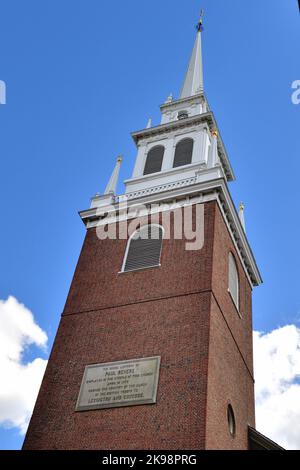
116, 384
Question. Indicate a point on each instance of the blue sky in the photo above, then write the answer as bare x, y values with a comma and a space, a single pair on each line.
81, 75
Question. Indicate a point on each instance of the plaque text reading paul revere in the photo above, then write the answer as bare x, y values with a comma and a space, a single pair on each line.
116, 384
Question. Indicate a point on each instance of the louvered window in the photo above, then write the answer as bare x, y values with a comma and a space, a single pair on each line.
183, 153
154, 160
233, 280
144, 248
183, 115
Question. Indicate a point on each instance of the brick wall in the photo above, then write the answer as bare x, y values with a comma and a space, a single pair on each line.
170, 312
230, 377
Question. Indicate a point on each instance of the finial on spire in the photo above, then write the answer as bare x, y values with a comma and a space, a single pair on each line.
149, 124
170, 98
193, 82
242, 215
199, 26
113, 182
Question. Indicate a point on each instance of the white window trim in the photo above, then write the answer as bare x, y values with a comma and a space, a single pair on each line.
231, 421
175, 148
178, 136
235, 305
128, 245
146, 158
183, 112
236, 302
140, 269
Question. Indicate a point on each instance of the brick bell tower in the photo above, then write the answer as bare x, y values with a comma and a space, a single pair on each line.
154, 347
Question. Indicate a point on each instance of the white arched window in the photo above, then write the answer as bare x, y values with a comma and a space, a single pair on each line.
143, 248
233, 280
154, 160
183, 153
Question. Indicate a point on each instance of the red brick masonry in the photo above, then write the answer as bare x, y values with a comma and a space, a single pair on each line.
181, 311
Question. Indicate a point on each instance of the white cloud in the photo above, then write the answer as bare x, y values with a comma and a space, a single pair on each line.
277, 374
276, 361
19, 382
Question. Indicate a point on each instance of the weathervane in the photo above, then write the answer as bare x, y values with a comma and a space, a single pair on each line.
199, 26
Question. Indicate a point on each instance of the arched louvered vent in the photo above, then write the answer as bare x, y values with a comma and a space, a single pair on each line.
182, 115
154, 160
144, 248
183, 153
233, 280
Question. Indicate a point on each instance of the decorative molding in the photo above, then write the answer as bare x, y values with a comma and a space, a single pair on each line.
207, 118
198, 192
157, 189
192, 167
195, 99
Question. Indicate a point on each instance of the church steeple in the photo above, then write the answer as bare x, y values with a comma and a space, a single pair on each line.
113, 182
193, 82
161, 296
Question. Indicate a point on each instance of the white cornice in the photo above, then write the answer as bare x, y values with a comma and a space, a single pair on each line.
194, 193
238, 235
169, 172
186, 123
170, 126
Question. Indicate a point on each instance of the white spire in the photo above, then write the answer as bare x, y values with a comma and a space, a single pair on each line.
113, 182
193, 82
149, 124
242, 215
